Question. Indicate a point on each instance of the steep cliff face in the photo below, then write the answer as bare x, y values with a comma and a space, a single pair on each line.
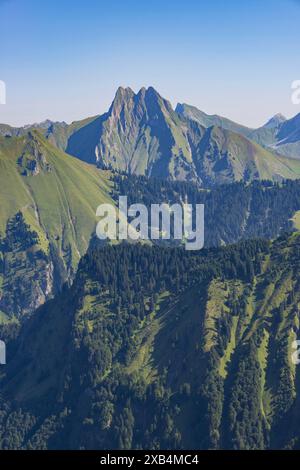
26, 270
142, 134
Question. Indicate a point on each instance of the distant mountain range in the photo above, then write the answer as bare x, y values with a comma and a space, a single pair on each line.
142, 134
278, 134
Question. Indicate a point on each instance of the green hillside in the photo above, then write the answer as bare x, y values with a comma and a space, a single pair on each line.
57, 195
207, 120
223, 156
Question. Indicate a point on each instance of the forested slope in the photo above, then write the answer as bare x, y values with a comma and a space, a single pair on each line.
159, 348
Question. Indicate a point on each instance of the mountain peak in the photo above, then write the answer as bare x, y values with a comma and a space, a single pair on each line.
275, 121
123, 93
127, 98
142, 91
151, 91
180, 107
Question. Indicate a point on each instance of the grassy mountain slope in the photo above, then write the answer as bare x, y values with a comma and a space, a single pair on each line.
223, 156
279, 134
204, 339
60, 200
206, 120
58, 133
56, 194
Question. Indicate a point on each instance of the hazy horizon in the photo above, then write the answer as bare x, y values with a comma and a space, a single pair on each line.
48, 118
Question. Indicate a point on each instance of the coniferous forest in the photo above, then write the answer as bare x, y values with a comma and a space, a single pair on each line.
154, 347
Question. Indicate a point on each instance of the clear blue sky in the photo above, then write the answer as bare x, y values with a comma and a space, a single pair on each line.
64, 59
